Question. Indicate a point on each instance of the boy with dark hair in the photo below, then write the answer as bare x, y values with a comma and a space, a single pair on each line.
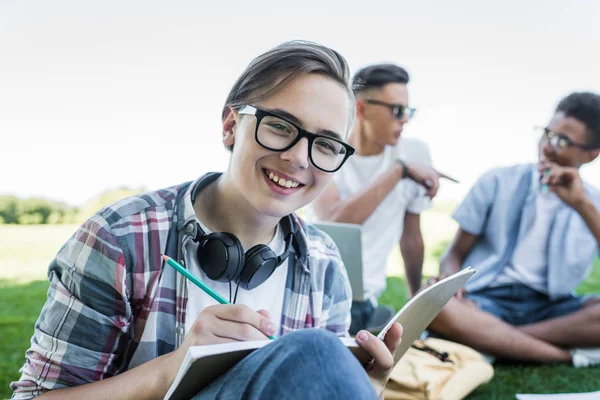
532, 233
371, 189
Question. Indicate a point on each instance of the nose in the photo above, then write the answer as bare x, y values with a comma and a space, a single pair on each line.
403, 120
547, 149
297, 155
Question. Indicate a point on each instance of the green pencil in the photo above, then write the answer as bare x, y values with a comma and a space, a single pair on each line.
179, 268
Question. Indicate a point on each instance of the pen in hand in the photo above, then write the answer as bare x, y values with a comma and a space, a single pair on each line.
545, 185
183, 271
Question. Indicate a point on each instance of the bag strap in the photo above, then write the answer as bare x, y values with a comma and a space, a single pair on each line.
443, 357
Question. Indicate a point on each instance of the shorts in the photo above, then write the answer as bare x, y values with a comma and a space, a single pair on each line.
518, 304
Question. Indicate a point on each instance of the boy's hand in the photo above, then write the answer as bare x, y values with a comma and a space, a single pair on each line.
220, 324
382, 353
565, 182
427, 177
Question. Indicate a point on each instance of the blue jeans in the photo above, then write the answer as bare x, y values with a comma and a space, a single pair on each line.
518, 304
310, 363
361, 313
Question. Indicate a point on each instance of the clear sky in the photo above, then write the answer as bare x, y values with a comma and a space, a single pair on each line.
111, 93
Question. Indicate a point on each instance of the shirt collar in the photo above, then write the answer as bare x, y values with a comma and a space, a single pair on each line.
185, 207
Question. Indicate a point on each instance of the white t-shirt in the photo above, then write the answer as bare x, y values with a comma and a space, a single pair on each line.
267, 296
383, 229
529, 262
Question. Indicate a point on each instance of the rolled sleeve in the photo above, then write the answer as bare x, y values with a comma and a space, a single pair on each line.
417, 151
419, 201
472, 213
81, 327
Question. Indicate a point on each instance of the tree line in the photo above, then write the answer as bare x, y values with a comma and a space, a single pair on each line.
37, 210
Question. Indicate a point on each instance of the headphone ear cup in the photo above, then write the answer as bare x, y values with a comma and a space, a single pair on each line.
221, 256
260, 262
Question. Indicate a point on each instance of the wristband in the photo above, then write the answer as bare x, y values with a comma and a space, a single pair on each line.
405, 173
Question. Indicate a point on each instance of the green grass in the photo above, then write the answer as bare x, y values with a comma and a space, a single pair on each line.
25, 252
20, 305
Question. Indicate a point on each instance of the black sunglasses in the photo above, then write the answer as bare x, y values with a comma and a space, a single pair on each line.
398, 110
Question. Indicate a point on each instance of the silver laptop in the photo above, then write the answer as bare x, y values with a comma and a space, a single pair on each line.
347, 237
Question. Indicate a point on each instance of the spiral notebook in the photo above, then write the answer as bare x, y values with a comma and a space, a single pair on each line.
203, 364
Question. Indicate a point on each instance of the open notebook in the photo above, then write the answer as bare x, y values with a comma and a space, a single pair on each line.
204, 364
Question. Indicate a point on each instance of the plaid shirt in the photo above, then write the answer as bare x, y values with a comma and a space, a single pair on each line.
108, 287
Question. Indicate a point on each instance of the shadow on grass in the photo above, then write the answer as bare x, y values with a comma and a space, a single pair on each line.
20, 305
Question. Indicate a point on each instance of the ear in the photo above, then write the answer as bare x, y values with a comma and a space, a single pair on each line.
230, 117
360, 109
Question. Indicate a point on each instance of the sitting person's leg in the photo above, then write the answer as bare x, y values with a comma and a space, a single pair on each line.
307, 363
570, 322
361, 313
477, 323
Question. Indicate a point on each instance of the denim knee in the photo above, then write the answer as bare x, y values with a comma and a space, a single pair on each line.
326, 352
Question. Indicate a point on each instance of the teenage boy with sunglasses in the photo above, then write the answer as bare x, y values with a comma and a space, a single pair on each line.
532, 233
373, 190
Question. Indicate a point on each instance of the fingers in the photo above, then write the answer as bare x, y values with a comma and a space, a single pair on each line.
377, 349
381, 351
435, 185
432, 185
556, 176
244, 315
432, 280
237, 332
264, 313
393, 338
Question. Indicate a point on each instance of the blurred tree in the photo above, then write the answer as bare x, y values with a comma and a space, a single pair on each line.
32, 219
14, 210
10, 209
105, 198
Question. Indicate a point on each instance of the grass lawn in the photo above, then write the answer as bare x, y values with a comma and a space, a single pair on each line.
26, 250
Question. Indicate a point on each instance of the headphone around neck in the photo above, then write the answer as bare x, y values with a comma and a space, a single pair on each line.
222, 258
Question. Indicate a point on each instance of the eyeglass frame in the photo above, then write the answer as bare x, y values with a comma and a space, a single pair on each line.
395, 108
302, 133
546, 134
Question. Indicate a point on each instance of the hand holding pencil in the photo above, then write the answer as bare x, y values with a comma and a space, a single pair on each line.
427, 177
224, 322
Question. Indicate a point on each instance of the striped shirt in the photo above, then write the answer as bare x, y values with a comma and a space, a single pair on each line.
108, 286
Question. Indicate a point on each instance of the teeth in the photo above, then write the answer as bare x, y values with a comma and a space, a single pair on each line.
282, 182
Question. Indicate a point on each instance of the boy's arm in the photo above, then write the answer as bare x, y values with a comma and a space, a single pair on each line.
412, 249
454, 257
568, 186
84, 327
357, 208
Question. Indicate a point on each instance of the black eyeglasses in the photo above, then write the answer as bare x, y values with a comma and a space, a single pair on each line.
398, 110
278, 134
560, 141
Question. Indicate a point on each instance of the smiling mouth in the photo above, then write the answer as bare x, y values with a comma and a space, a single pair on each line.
285, 183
